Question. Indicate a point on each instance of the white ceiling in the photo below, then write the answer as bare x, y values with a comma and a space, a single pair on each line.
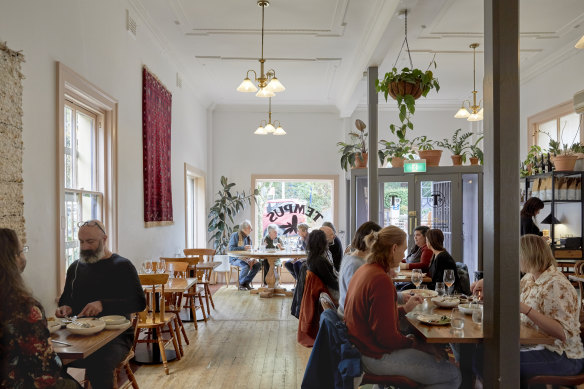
320, 49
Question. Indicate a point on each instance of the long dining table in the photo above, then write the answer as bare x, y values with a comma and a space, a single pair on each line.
406, 276
469, 336
81, 346
272, 278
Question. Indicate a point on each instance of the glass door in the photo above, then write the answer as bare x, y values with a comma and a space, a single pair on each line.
437, 205
396, 202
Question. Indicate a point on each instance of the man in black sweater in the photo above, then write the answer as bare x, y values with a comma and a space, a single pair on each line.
101, 283
335, 245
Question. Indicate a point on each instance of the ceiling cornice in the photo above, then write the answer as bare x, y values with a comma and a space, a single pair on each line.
548, 62
276, 108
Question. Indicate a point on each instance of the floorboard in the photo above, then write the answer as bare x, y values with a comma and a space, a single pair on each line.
249, 342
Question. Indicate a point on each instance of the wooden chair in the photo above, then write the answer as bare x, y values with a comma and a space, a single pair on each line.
174, 300
237, 269
204, 275
193, 293
156, 321
125, 364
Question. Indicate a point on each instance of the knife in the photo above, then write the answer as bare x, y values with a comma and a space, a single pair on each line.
58, 341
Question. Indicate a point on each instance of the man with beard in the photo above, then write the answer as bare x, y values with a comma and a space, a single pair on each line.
101, 283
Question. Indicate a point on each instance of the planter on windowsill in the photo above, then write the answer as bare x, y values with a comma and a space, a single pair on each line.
432, 157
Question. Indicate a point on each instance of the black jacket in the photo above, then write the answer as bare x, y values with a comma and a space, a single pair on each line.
528, 226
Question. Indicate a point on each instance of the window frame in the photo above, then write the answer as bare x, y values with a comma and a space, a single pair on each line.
295, 177
199, 208
76, 89
553, 113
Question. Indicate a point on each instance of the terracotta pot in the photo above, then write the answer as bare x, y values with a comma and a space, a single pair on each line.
397, 162
564, 163
360, 164
432, 157
456, 160
404, 88
474, 161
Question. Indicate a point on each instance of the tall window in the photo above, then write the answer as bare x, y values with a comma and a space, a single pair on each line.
195, 218
290, 200
87, 150
83, 194
559, 123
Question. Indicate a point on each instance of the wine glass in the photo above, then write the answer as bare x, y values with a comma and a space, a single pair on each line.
449, 278
162, 266
147, 266
417, 277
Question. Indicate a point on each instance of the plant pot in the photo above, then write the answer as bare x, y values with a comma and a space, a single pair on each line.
360, 164
404, 88
564, 163
474, 161
397, 162
456, 160
432, 157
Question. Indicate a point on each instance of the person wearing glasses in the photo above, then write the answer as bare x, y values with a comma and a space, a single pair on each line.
23, 327
101, 283
249, 267
335, 249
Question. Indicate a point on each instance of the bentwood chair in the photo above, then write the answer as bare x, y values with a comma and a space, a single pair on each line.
155, 322
203, 275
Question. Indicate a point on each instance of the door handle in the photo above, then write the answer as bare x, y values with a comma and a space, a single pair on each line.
412, 221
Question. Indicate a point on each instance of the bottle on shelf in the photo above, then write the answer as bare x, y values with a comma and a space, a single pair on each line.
549, 163
543, 164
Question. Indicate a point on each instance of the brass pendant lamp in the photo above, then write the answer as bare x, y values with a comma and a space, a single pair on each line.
476, 111
266, 128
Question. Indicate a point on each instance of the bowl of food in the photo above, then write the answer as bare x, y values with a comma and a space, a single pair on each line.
86, 326
423, 292
113, 319
446, 301
468, 308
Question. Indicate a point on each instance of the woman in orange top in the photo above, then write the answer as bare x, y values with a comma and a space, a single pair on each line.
372, 314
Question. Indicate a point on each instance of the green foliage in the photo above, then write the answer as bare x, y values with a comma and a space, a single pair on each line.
530, 161
423, 143
401, 149
407, 104
225, 207
401, 193
457, 144
350, 151
475, 150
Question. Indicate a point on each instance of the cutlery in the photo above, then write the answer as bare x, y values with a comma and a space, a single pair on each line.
58, 341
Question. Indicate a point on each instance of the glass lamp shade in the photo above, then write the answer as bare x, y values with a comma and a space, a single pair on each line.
280, 131
474, 117
260, 131
481, 114
462, 113
247, 86
276, 86
265, 92
269, 128
580, 44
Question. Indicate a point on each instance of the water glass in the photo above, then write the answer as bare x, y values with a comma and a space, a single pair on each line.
457, 319
162, 266
477, 314
440, 288
147, 266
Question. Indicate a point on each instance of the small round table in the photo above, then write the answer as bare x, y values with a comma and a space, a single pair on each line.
272, 278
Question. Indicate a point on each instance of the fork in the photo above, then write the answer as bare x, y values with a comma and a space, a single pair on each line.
79, 323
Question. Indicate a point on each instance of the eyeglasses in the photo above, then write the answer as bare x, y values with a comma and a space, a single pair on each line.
24, 250
90, 224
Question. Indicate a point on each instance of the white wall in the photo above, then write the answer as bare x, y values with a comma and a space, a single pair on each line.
90, 38
308, 148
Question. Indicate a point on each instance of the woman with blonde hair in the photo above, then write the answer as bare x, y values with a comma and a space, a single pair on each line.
372, 314
27, 359
548, 302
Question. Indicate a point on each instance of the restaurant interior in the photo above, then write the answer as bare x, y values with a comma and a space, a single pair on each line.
132, 113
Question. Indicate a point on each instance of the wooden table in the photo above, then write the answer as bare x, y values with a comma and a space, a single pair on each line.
406, 276
82, 345
272, 278
471, 334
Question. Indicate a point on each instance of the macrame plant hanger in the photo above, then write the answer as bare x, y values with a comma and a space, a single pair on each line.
405, 42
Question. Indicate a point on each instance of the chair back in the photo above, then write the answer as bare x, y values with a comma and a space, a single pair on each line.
153, 280
177, 268
200, 254
462, 271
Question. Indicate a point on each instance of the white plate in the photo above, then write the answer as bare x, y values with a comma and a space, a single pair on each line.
113, 319
433, 319
121, 326
465, 308
424, 292
96, 326
446, 302
54, 327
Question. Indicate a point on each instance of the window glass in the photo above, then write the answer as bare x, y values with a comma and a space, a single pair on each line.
547, 130
569, 128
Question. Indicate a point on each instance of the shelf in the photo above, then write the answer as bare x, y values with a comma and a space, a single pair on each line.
561, 201
555, 173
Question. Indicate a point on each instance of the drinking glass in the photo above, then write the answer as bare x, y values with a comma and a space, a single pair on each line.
148, 266
162, 266
457, 319
417, 277
477, 314
440, 288
449, 278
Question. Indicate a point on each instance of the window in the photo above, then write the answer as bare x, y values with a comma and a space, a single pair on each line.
559, 123
290, 200
195, 226
87, 163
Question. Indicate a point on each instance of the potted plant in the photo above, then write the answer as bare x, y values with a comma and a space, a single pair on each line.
476, 154
457, 146
225, 207
531, 160
427, 151
564, 156
406, 86
354, 154
396, 152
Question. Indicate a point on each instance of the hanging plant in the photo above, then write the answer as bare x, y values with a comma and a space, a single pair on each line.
406, 86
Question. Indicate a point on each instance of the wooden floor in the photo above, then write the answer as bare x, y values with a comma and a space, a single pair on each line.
249, 342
